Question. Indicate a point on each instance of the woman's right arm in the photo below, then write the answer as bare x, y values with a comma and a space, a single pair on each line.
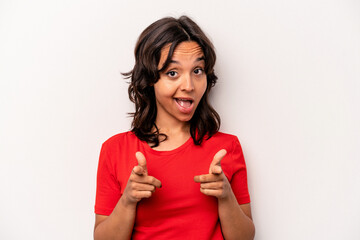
119, 224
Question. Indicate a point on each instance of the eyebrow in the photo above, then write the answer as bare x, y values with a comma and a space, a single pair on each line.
197, 60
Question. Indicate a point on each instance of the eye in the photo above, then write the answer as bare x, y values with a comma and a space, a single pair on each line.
171, 73
198, 71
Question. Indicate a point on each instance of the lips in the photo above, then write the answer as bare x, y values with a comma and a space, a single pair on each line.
185, 105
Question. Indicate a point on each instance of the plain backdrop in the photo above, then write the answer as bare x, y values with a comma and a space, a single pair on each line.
289, 74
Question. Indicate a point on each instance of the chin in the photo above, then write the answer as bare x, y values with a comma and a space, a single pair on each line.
186, 118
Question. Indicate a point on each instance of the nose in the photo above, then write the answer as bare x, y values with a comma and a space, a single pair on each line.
187, 83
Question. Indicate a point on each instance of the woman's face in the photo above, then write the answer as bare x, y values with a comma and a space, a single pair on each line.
182, 84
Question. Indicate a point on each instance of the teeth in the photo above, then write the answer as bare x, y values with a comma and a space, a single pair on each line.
184, 103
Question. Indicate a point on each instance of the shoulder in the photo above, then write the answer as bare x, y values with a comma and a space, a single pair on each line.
221, 140
120, 139
228, 141
234, 159
117, 149
221, 137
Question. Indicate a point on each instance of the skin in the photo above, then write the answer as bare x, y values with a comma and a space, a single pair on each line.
183, 78
236, 221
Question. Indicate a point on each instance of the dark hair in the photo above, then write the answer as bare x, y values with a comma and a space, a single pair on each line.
205, 121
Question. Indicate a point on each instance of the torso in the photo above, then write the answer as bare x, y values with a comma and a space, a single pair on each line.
178, 210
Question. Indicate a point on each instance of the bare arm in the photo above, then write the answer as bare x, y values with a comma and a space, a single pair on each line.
236, 222
235, 219
120, 223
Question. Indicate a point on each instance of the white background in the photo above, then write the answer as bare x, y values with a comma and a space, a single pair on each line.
289, 74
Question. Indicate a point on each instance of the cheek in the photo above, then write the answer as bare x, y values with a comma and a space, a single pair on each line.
163, 89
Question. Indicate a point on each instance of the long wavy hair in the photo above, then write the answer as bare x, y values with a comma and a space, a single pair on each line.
205, 121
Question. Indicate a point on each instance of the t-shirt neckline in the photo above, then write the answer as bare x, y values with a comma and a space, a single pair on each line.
167, 152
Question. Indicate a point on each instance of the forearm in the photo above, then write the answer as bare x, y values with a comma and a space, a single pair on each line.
235, 224
120, 223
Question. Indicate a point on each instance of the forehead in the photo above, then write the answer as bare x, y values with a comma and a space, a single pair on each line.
184, 49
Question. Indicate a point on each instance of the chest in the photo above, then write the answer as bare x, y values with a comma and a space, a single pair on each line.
180, 196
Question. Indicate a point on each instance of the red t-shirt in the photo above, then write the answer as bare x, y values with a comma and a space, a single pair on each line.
178, 210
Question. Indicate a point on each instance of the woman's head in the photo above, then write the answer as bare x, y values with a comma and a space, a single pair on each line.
169, 33
181, 84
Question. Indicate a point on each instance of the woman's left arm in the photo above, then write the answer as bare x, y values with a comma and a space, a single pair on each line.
235, 219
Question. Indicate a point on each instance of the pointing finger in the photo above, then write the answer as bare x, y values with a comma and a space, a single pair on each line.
217, 161
138, 170
141, 161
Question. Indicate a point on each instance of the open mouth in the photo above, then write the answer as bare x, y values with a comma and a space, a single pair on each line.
185, 103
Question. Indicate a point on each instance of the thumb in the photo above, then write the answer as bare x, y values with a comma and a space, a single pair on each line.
141, 161
217, 159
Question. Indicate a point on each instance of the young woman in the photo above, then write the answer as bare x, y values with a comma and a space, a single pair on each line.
174, 175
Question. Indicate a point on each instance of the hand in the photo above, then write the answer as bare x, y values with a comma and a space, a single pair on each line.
140, 185
215, 183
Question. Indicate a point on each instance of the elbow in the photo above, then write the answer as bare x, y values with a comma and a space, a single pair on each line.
249, 233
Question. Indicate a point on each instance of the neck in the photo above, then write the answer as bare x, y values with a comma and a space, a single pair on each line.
176, 135
173, 129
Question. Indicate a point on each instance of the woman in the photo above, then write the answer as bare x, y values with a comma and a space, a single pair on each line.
174, 175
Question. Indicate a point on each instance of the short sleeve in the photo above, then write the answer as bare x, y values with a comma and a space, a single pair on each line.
108, 191
239, 179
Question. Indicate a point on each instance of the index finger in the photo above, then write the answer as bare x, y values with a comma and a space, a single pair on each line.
217, 159
141, 161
